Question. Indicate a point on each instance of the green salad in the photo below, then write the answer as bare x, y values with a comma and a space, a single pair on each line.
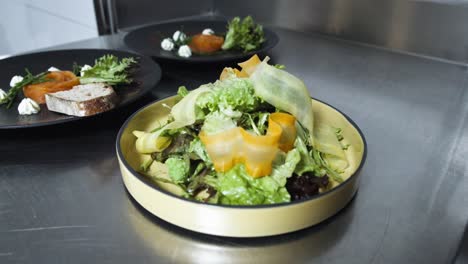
243, 34
247, 139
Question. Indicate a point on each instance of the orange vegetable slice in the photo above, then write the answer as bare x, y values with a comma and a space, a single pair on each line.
249, 66
256, 152
58, 81
206, 43
226, 71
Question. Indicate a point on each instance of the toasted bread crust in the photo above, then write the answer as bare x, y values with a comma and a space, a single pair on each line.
83, 100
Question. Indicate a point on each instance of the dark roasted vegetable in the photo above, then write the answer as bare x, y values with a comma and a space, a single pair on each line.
305, 186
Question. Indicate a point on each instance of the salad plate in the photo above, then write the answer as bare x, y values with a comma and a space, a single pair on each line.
147, 40
145, 76
236, 221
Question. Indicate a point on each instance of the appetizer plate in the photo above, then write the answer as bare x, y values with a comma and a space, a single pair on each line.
147, 40
162, 199
145, 78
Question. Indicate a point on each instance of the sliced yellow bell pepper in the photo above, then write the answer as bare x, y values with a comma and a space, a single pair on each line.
257, 153
247, 68
288, 126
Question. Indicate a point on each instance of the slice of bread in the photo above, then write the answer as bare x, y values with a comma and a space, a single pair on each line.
83, 100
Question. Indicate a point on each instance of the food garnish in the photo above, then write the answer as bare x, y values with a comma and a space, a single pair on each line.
56, 81
28, 107
108, 69
2, 94
249, 138
28, 79
184, 51
242, 35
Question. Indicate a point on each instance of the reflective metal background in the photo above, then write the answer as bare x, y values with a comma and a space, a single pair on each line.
432, 28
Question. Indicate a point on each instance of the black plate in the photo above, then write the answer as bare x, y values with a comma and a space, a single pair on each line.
146, 77
147, 40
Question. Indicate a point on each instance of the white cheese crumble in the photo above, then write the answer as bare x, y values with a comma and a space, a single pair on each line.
184, 51
179, 36
167, 44
15, 80
207, 31
2, 94
28, 107
84, 68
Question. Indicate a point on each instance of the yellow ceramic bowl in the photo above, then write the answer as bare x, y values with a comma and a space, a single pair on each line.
235, 221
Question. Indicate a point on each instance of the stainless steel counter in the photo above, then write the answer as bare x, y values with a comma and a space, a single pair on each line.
62, 199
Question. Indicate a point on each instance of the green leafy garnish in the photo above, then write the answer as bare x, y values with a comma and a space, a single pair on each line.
235, 93
178, 167
182, 91
243, 35
280, 66
338, 133
76, 69
108, 69
28, 79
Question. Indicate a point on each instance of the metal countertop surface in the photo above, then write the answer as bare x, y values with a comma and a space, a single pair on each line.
62, 199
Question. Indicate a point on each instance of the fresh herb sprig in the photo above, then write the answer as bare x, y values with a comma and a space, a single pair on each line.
76, 69
28, 79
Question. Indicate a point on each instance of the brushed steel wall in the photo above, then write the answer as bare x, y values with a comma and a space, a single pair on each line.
435, 28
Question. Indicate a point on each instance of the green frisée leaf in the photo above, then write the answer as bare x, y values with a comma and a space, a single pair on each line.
217, 122
178, 168
306, 163
236, 187
109, 69
243, 34
182, 91
283, 168
232, 93
196, 147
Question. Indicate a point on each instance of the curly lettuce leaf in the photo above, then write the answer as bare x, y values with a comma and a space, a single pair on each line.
108, 69
236, 187
178, 168
284, 166
232, 93
243, 34
198, 149
306, 163
216, 122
